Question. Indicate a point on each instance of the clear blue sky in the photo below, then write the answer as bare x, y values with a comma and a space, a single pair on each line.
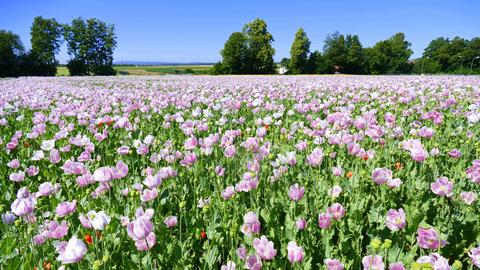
185, 31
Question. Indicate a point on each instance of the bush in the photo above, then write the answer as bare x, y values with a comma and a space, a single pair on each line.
31, 65
217, 69
103, 70
77, 68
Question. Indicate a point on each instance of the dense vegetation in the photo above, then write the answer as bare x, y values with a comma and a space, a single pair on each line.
235, 172
345, 54
90, 44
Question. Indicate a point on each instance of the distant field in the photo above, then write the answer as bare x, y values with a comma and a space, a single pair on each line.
152, 70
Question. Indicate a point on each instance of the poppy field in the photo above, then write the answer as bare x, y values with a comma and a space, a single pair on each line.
240, 172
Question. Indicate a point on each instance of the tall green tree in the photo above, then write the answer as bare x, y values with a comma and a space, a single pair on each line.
90, 44
453, 55
389, 56
355, 59
260, 50
11, 48
316, 63
235, 53
335, 52
299, 53
285, 62
46, 38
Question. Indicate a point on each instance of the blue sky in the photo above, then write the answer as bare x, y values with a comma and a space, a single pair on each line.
186, 31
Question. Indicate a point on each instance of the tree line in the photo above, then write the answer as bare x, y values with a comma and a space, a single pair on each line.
90, 45
251, 52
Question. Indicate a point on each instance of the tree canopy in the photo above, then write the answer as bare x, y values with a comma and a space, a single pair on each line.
248, 52
299, 53
90, 44
235, 54
260, 50
11, 48
389, 56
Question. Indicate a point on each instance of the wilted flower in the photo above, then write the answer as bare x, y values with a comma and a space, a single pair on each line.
141, 230
468, 197
337, 171
251, 224
296, 192
66, 208
170, 221
316, 157
333, 264
335, 191
474, 255
394, 183
45, 189
241, 252
228, 192
264, 248
229, 266
253, 262
429, 238
396, 266
38, 155
295, 252
8, 218
71, 251
17, 177
373, 263
396, 219
324, 220
381, 175
149, 194
336, 211
442, 187
98, 220
301, 223
455, 153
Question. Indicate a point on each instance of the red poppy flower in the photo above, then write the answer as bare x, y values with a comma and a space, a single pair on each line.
203, 235
88, 239
47, 265
398, 166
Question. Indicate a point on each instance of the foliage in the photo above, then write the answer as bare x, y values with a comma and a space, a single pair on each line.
299, 53
316, 63
46, 38
355, 55
335, 52
389, 56
455, 55
259, 48
30, 64
190, 172
235, 53
11, 47
426, 66
77, 67
285, 62
248, 52
90, 42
